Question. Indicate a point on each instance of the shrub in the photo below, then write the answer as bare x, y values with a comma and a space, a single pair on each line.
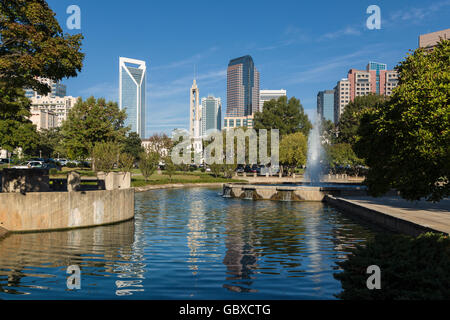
105, 155
53, 171
126, 162
148, 163
71, 165
411, 268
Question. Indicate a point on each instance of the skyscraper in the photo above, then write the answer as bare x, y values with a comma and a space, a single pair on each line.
325, 104
376, 79
195, 114
132, 86
242, 91
211, 114
195, 118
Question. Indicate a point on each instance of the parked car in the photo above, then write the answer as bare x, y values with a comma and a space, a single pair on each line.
62, 162
240, 169
31, 165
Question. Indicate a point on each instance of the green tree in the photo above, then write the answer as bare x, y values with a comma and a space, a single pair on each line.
169, 167
132, 145
126, 162
148, 163
342, 155
15, 128
33, 45
50, 143
90, 122
406, 142
105, 156
293, 150
286, 116
351, 118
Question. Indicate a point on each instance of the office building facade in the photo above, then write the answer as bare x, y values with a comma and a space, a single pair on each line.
242, 90
211, 115
59, 106
267, 95
132, 97
376, 79
325, 104
58, 90
430, 40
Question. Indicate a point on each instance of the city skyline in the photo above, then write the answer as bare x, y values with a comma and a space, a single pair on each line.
292, 53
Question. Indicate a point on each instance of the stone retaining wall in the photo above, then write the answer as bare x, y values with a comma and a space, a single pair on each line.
41, 211
378, 218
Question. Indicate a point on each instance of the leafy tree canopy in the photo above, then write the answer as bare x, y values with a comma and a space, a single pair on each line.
293, 149
351, 118
15, 128
132, 145
92, 121
33, 45
406, 142
287, 116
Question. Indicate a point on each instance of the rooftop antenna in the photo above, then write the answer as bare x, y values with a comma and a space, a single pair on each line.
195, 72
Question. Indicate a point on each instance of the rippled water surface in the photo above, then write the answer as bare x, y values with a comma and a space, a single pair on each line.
188, 244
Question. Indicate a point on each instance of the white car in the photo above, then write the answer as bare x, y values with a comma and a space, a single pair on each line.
31, 165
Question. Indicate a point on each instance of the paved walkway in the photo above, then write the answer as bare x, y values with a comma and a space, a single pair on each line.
431, 215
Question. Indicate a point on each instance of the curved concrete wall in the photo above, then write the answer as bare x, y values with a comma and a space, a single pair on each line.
64, 210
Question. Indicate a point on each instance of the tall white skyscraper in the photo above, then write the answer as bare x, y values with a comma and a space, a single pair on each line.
195, 118
132, 86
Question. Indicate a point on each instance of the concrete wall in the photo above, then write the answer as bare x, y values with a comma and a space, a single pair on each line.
25, 180
378, 218
297, 193
64, 210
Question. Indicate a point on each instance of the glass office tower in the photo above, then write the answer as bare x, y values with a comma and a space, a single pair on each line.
212, 115
325, 104
132, 86
242, 87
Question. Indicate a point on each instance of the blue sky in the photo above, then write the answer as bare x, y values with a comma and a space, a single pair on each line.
300, 46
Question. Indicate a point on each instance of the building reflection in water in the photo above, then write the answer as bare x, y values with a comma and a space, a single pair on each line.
196, 234
114, 250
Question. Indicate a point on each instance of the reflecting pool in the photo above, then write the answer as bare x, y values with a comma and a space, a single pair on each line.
189, 244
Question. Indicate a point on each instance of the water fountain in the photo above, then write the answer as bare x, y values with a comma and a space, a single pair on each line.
314, 169
248, 194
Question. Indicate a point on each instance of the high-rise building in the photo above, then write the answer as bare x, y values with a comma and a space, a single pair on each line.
195, 115
195, 127
58, 90
341, 98
325, 104
376, 79
59, 106
430, 40
267, 95
211, 115
242, 90
132, 86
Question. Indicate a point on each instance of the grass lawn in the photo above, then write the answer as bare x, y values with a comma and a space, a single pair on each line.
138, 180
